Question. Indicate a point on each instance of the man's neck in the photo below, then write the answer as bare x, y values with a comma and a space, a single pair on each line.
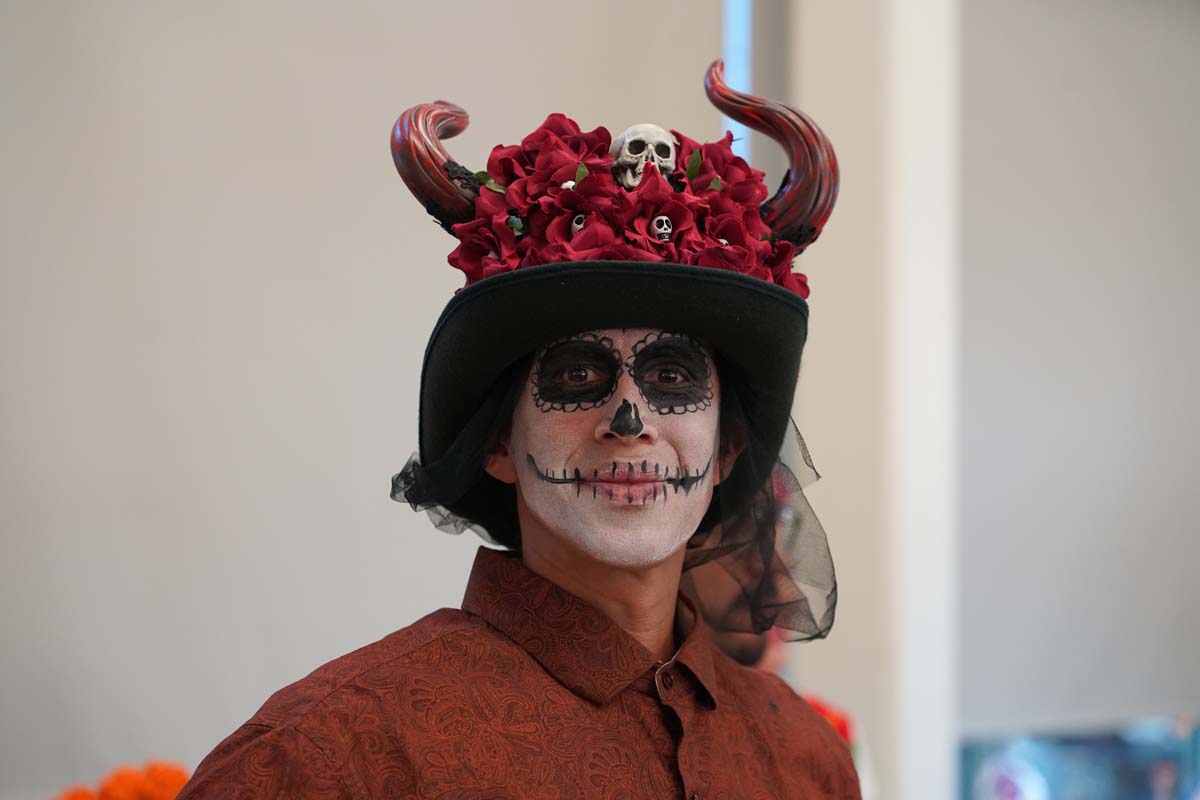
639, 599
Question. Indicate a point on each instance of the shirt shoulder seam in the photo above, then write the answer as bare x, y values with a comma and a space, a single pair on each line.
407, 653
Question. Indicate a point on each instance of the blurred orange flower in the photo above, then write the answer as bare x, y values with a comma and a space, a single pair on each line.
164, 780
158, 780
77, 793
834, 716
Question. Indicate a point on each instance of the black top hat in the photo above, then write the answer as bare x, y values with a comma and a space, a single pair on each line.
572, 231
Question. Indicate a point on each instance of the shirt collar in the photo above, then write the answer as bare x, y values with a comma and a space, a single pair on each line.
696, 652
578, 645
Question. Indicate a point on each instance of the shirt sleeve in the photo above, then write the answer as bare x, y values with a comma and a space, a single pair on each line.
260, 762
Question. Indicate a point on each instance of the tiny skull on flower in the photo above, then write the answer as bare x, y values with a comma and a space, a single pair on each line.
662, 228
638, 146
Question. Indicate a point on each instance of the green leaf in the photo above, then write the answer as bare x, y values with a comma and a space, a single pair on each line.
716, 184
693, 167
517, 225
482, 176
581, 172
495, 187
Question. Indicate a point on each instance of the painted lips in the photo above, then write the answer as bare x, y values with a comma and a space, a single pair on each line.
628, 483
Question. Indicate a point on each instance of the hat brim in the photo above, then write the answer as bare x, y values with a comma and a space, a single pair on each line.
491, 324
496, 322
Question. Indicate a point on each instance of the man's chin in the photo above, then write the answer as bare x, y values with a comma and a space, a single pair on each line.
625, 543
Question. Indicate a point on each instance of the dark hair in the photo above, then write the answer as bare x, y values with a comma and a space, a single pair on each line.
492, 504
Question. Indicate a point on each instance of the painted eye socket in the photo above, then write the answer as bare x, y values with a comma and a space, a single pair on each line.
673, 373
575, 374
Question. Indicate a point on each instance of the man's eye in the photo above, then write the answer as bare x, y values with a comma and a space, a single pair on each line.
581, 375
668, 375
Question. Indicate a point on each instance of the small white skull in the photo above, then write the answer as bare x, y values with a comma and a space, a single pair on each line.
662, 228
577, 224
638, 146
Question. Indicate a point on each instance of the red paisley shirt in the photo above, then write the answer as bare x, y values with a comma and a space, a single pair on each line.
529, 692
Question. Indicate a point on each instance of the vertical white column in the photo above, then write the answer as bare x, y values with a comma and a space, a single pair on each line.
921, 158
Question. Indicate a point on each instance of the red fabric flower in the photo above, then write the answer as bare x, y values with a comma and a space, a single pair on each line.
546, 159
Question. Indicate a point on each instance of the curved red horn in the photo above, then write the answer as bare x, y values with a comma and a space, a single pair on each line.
800, 208
446, 188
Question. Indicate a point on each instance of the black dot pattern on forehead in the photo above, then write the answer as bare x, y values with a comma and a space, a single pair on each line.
673, 373
575, 373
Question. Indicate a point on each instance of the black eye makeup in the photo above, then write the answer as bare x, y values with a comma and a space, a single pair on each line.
673, 373
576, 373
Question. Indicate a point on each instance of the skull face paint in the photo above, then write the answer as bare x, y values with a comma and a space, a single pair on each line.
614, 444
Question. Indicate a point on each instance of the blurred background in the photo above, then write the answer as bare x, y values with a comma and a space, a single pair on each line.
215, 294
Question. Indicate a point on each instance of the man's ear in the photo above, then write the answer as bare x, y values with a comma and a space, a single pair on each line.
733, 443
500, 465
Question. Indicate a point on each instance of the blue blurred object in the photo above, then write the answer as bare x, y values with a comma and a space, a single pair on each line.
1156, 758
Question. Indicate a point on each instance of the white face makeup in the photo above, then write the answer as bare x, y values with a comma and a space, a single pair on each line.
614, 442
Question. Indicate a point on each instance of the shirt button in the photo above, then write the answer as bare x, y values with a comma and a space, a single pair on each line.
668, 680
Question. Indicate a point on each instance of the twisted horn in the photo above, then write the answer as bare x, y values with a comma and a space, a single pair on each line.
446, 188
805, 198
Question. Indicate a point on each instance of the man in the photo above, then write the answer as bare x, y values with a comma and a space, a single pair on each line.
608, 400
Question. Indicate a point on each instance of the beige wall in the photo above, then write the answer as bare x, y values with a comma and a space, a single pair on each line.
836, 74
878, 395
216, 293
1080, 372
1058, 592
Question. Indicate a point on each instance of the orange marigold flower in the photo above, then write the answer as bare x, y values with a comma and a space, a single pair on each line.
77, 793
163, 780
123, 783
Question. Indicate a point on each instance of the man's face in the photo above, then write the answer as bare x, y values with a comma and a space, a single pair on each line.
614, 442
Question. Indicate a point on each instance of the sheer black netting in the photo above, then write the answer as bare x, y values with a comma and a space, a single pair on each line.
408, 487
763, 561
759, 558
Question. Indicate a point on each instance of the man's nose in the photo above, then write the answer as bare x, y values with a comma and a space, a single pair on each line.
626, 423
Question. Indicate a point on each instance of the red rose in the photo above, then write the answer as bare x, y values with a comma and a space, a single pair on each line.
718, 166
546, 159
488, 243
596, 241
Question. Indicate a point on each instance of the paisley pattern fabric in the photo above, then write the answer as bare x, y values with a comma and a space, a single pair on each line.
529, 692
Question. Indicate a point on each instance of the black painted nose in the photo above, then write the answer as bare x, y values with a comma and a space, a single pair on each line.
627, 421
